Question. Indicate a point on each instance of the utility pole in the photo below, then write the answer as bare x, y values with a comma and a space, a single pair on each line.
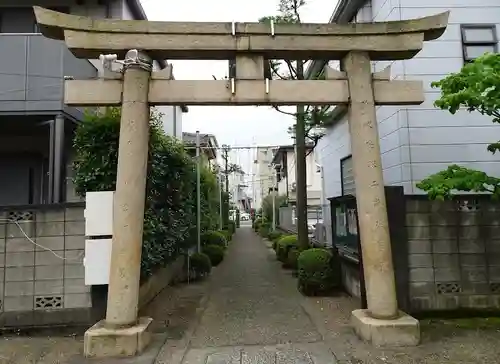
226, 167
274, 201
225, 156
301, 179
198, 197
219, 180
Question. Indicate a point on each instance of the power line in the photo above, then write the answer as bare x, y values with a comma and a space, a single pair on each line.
244, 147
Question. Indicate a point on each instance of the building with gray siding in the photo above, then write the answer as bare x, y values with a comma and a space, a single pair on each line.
36, 128
417, 141
42, 224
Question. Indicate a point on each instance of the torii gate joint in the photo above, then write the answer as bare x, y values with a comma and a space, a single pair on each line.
137, 88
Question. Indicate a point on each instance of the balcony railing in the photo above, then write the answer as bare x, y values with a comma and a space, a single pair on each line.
32, 70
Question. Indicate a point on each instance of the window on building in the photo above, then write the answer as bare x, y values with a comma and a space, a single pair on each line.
477, 40
347, 176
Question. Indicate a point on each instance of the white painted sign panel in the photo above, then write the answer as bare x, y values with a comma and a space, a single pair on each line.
99, 213
97, 261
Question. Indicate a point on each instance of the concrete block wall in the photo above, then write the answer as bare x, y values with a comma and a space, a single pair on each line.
453, 251
45, 276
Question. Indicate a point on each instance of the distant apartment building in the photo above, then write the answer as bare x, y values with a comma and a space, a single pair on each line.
263, 174
284, 163
208, 147
238, 190
417, 141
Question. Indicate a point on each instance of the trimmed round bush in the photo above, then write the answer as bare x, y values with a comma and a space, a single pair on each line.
264, 229
200, 265
292, 258
274, 235
232, 227
284, 244
315, 272
257, 223
215, 253
227, 235
213, 238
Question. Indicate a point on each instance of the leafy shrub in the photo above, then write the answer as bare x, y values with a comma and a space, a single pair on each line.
264, 229
256, 224
292, 257
238, 221
200, 265
315, 272
213, 238
267, 206
170, 206
274, 235
227, 235
284, 244
231, 227
215, 253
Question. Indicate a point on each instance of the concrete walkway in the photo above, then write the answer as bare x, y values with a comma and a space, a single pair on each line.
253, 314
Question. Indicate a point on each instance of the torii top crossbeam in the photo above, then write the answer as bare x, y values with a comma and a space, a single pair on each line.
89, 38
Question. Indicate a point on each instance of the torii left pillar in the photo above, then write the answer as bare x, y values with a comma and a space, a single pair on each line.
123, 333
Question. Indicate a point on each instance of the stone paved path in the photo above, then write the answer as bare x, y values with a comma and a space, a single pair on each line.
249, 312
253, 314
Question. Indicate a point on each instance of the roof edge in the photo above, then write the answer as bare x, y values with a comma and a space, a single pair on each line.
343, 13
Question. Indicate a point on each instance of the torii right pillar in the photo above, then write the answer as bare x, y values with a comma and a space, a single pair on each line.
382, 323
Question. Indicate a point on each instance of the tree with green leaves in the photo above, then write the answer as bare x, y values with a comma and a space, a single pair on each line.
308, 119
170, 208
267, 206
313, 117
477, 88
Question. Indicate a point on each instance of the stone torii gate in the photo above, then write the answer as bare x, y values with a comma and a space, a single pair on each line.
137, 88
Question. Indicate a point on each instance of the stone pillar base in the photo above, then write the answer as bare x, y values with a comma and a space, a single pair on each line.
403, 331
101, 341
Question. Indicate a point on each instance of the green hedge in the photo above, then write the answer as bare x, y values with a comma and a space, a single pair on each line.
214, 238
256, 224
170, 210
274, 235
231, 227
238, 218
215, 253
315, 272
284, 244
292, 258
264, 229
227, 235
199, 265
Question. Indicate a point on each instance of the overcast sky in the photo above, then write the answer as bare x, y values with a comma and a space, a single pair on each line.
231, 125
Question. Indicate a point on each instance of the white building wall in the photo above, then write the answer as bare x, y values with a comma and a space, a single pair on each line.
435, 138
264, 175
171, 120
417, 141
313, 178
